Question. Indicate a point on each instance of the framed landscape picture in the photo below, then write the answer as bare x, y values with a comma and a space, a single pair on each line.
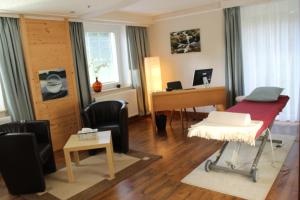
53, 83
185, 41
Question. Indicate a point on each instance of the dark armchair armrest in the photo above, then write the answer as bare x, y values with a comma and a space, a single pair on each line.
86, 118
25, 143
123, 121
20, 163
41, 129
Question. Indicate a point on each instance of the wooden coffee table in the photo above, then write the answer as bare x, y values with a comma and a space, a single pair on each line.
74, 144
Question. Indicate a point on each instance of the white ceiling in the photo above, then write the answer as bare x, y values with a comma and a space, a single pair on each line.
110, 9
61, 7
158, 7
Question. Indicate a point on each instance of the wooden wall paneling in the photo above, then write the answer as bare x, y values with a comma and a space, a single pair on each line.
47, 45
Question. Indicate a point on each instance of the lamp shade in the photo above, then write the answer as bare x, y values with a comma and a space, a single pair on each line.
153, 75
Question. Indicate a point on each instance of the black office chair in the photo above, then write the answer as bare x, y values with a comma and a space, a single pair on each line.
176, 85
26, 154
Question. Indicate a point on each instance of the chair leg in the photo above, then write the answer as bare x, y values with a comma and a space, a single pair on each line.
181, 118
195, 113
186, 115
171, 117
194, 110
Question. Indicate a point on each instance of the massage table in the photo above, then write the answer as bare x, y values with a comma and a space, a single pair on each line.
263, 112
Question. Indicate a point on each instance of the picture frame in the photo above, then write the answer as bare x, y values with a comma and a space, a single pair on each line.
53, 84
185, 41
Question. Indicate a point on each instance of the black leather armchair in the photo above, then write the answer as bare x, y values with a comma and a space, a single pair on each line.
109, 115
26, 154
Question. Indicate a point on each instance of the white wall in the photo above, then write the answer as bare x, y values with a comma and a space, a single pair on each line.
181, 66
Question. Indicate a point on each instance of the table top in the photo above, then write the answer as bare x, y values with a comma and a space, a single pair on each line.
102, 139
187, 90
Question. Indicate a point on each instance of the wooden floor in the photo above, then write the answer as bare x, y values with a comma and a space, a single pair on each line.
181, 155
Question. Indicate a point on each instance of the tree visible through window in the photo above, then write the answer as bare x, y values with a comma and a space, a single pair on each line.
102, 57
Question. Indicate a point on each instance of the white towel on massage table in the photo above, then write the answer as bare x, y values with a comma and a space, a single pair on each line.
229, 118
227, 126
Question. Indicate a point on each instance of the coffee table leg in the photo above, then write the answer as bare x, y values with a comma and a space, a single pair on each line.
69, 166
110, 161
76, 157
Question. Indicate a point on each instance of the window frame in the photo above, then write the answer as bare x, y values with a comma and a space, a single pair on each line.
117, 30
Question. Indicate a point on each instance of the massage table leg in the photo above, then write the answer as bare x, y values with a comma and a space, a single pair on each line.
234, 156
209, 165
258, 155
212, 165
274, 141
220, 153
278, 142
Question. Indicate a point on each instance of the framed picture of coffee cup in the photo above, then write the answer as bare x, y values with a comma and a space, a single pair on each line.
53, 84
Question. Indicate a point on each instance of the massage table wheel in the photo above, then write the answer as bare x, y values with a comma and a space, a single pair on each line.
208, 165
253, 175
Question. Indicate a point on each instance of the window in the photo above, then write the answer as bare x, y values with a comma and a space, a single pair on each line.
102, 57
107, 55
270, 36
2, 107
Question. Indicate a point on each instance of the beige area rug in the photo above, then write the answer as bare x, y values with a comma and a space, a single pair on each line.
91, 176
238, 185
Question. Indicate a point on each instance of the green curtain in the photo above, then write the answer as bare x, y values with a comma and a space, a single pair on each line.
233, 53
80, 62
12, 71
138, 49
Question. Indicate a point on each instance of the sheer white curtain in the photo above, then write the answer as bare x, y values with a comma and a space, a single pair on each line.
271, 56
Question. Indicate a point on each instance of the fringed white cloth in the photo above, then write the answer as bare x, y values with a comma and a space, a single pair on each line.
242, 131
229, 118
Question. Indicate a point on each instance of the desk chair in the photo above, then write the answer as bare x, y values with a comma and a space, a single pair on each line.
176, 85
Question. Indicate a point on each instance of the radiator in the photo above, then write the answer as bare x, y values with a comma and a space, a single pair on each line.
128, 95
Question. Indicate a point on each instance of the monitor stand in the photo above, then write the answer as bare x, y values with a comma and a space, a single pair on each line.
205, 82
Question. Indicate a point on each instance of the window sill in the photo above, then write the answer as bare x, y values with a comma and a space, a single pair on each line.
4, 118
109, 91
3, 113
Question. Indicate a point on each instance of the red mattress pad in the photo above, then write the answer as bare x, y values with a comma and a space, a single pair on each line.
262, 111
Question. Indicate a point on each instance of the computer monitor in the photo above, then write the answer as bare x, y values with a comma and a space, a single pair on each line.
202, 77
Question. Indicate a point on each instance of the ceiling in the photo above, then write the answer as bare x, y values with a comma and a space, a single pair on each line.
158, 7
144, 11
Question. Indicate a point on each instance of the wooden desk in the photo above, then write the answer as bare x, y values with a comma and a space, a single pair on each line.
188, 98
